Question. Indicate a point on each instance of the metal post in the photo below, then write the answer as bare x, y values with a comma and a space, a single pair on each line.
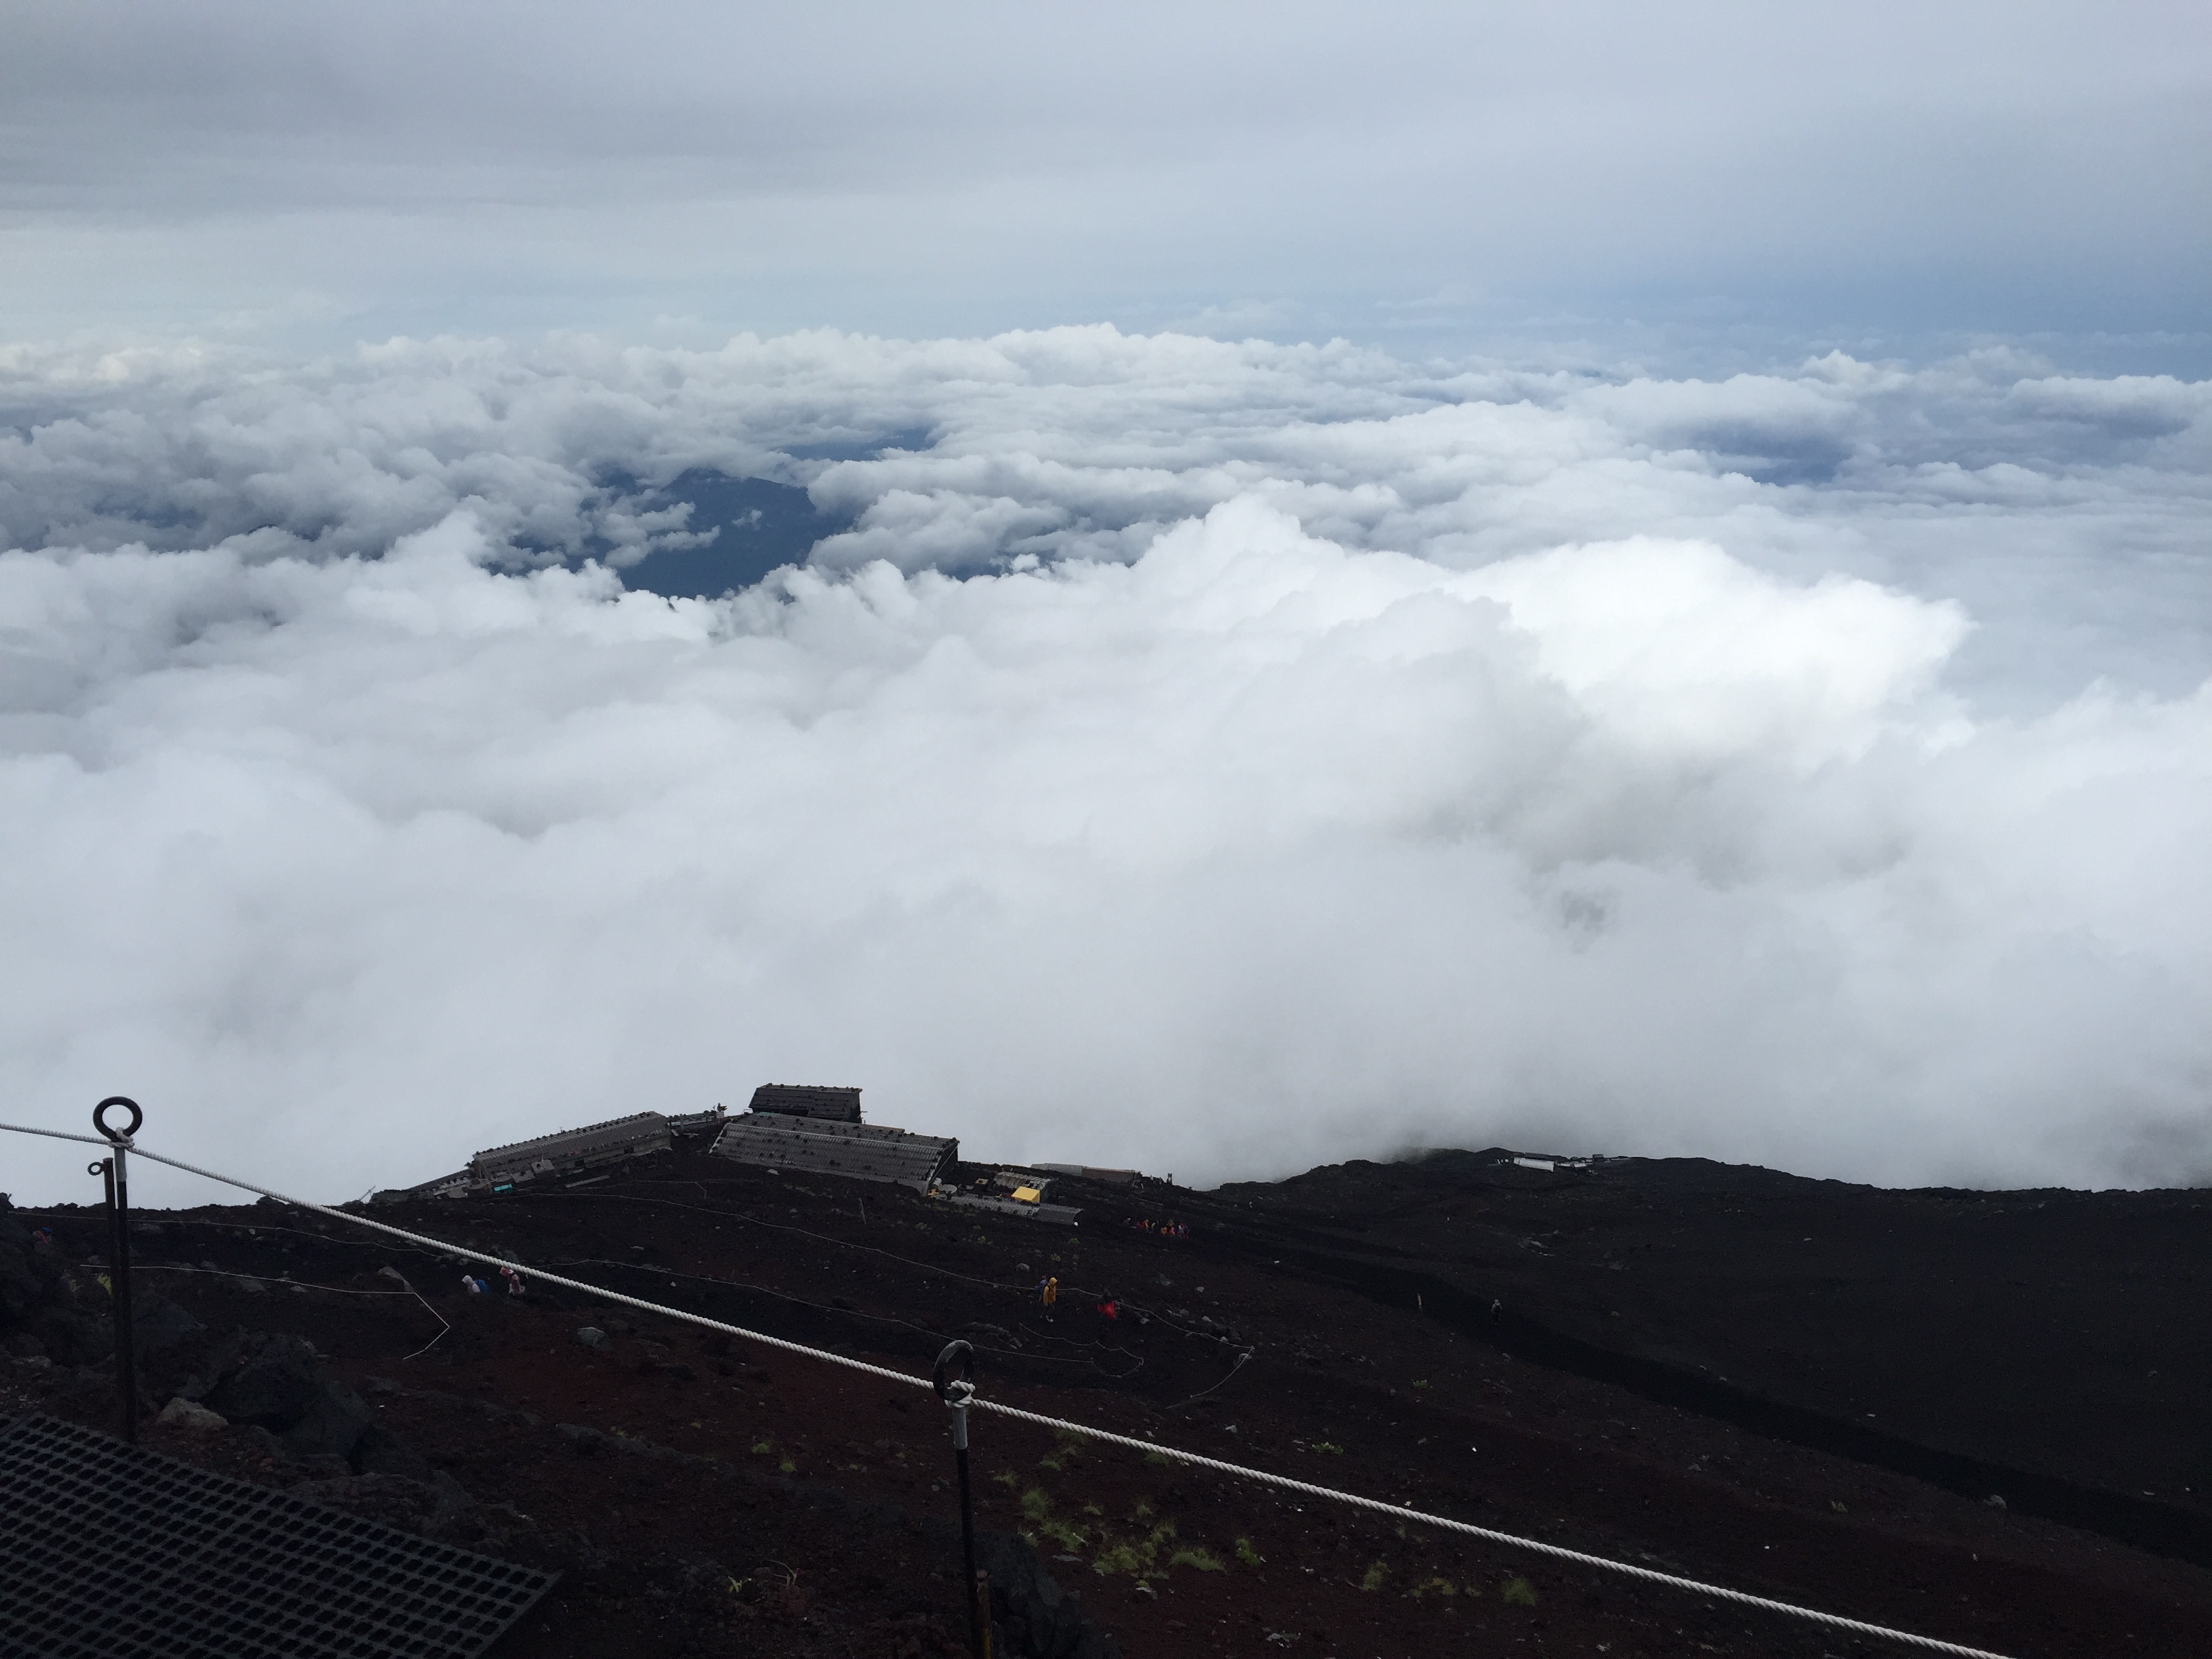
116, 1170
126, 1420
967, 1529
957, 1392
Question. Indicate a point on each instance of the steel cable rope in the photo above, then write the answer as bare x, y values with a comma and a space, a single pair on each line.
781, 1227
252, 1227
1557, 1551
1235, 1471
444, 1324
826, 1238
892, 1255
1147, 1310
466, 1254
176, 1221
1224, 1382
855, 1313
626, 1198
735, 1215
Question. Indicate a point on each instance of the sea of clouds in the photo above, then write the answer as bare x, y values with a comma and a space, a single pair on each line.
1219, 759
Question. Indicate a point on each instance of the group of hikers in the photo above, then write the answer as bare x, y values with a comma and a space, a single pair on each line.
1048, 1291
476, 1286
1160, 1229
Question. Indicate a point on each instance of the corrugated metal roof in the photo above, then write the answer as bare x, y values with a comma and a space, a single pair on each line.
687, 1122
1064, 1214
808, 1100
860, 1152
1089, 1172
621, 1137
456, 1181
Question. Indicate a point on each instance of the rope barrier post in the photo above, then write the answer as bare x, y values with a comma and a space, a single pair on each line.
127, 1419
115, 1170
957, 1392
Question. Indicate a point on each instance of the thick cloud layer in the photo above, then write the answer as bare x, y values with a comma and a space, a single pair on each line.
1218, 758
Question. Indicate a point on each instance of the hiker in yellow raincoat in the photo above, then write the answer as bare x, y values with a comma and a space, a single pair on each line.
1047, 1293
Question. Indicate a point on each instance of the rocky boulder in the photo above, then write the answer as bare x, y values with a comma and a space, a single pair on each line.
276, 1382
1031, 1617
334, 1422
184, 1413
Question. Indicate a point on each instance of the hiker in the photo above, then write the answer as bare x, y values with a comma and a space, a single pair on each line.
1496, 1310
1047, 1293
514, 1280
1109, 1308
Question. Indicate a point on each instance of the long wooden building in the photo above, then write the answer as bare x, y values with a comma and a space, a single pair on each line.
820, 1132
808, 1100
572, 1150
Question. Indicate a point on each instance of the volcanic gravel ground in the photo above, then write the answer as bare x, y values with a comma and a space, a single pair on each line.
2052, 1345
706, 1495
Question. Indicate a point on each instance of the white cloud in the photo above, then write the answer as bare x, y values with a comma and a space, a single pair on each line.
1216, 758
1985, 480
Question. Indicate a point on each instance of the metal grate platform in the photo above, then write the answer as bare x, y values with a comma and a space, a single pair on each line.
111, 1551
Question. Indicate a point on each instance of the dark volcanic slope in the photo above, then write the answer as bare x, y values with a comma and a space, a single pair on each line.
2055, 1346
704, 1497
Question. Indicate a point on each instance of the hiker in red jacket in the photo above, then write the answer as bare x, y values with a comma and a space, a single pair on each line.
1109, 1308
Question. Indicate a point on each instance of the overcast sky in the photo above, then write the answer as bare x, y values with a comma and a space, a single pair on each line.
1656, 180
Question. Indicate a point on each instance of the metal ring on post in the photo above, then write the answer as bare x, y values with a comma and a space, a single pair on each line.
959, 1393
100, 1118
955, 1392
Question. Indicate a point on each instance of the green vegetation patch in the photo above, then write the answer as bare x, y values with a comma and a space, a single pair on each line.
1069, 1536
1120, 1558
